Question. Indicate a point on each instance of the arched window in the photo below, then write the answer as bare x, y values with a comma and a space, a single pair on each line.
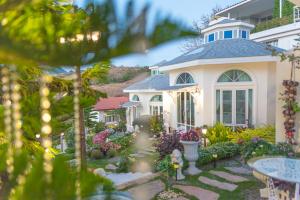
185, 78
157, 98
135, 98
234, 76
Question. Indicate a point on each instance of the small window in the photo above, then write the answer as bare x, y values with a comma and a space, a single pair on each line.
244, 34
211, 37
185, 78
135, 98
228, 34
157, 98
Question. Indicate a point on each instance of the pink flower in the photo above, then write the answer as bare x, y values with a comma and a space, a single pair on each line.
191, 135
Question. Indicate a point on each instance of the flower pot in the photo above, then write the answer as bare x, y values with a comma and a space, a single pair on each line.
191, 155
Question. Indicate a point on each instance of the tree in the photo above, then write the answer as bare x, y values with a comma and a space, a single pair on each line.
197, 41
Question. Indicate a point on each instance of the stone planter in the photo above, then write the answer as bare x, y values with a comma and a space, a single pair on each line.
191, 155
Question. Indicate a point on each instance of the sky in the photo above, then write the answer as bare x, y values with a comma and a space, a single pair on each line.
186, 11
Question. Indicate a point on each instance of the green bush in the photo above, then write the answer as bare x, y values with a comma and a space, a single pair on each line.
96, 154
125, 141
218, 133
266, 132
276, 22
124, 165
156, 125
258, 147
100, 126
222, 150
165, 166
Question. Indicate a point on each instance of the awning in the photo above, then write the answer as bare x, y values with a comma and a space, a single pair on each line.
130, 104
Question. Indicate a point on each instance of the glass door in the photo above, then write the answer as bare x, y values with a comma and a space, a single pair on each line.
234, 107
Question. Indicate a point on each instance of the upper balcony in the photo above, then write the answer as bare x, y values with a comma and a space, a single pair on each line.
260, 13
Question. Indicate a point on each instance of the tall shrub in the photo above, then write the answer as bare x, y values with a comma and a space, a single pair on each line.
218, 133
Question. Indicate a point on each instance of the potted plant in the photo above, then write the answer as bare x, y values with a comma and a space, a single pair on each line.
190, 141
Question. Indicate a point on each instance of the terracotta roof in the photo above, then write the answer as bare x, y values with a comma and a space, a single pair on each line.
111, 103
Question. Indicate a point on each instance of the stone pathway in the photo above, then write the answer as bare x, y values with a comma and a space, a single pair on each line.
239, 170
198, 192
229, 177
147, 191
218, 184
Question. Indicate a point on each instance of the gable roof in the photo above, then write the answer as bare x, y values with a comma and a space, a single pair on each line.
111, 103
152, 83
231, 48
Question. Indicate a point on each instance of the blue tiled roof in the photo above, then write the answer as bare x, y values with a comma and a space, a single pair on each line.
231, 48
156, 82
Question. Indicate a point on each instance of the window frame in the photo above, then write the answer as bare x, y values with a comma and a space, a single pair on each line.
133, 98
185, 81
242, 34
226, 38
182, 111
233, 87
213, 37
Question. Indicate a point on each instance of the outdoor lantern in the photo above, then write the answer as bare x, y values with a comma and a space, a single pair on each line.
215, 156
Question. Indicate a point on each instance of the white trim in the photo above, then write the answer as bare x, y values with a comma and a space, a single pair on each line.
233, 6
220, 61
233, 24
277, 32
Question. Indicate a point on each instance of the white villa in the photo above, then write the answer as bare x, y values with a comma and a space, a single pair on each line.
232, 78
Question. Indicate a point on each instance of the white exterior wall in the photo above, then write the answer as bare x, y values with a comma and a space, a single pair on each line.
263, 75
144, 100
283, 73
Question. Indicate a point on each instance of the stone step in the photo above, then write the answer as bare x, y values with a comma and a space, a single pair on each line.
145, 152
239, 170
218, 184
147, 191
228, 176
198, 192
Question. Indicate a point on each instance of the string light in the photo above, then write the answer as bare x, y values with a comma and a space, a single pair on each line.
7, 119
46, 129
77, 133
17, 123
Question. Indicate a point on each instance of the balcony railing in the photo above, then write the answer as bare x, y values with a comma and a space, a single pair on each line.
276, 22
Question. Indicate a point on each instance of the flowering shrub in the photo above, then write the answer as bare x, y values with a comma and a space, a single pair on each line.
190, 135
101, 137
167, 143
104, 145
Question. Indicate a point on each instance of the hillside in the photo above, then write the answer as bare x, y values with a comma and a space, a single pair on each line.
120, 78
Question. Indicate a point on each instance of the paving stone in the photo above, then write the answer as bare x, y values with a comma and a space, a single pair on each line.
198, 192
111, 167
228, 176
218, 184
239, 170
180, 198
147, 191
